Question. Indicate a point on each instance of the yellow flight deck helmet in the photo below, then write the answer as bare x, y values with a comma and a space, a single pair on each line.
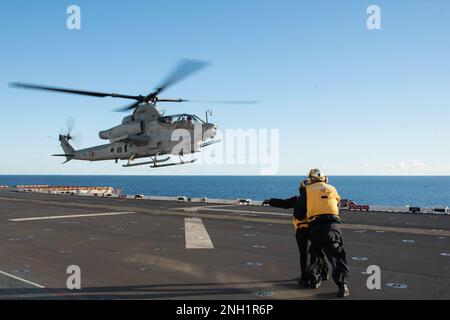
315, 175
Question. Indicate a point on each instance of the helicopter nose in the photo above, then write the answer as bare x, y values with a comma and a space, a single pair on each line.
210, 131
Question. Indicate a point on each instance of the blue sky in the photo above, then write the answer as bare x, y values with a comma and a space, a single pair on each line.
346, 99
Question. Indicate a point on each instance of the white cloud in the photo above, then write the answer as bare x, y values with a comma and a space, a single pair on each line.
389, 166
418, 164
407, 165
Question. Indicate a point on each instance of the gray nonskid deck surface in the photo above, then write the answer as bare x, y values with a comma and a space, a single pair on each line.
143, 255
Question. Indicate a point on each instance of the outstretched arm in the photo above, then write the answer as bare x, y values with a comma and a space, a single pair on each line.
280, 203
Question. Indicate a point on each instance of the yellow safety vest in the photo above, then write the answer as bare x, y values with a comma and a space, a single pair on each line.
321, 198
300, 224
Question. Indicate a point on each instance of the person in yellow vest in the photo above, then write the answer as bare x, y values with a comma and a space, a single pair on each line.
322, 211
300, 222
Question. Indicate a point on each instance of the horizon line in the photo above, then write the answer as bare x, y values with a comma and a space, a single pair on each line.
224, 175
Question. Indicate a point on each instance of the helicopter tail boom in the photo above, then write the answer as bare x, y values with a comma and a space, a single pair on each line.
69, 151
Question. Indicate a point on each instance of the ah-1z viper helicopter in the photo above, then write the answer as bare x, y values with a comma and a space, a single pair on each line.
147, 132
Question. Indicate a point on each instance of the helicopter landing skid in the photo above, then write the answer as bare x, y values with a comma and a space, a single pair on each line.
154, 161
172, 164
209, 143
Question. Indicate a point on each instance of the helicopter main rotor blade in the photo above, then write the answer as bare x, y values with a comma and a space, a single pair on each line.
171, 100
223, 101
210, 101
73, 91
132, 106
184, 69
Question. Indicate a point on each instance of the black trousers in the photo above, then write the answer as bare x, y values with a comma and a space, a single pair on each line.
326, 237
302, 237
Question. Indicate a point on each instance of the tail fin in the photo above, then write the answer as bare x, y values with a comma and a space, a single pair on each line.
69, 151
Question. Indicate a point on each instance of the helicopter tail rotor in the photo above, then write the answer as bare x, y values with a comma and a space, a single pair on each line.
65, 137
67, 133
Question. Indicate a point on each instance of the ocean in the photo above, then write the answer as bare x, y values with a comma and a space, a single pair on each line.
373, 190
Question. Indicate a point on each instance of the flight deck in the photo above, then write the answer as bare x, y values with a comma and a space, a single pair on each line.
146, 249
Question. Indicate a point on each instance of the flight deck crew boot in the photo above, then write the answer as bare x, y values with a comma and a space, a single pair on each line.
303, 282
343, 291
315, 285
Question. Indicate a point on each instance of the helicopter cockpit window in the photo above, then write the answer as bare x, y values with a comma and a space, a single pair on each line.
181, 119
166, 120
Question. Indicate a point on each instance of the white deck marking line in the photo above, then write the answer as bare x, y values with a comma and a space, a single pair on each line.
72, 216
247, 211
20, 279
219, 206
196, 235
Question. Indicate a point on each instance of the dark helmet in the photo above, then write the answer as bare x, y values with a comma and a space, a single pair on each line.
304, 183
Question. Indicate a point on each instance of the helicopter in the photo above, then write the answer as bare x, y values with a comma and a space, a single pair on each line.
147, 132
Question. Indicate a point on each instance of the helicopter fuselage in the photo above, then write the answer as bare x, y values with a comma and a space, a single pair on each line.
147, 133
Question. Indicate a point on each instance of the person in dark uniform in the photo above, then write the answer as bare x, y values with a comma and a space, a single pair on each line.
324, 232
300, 223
